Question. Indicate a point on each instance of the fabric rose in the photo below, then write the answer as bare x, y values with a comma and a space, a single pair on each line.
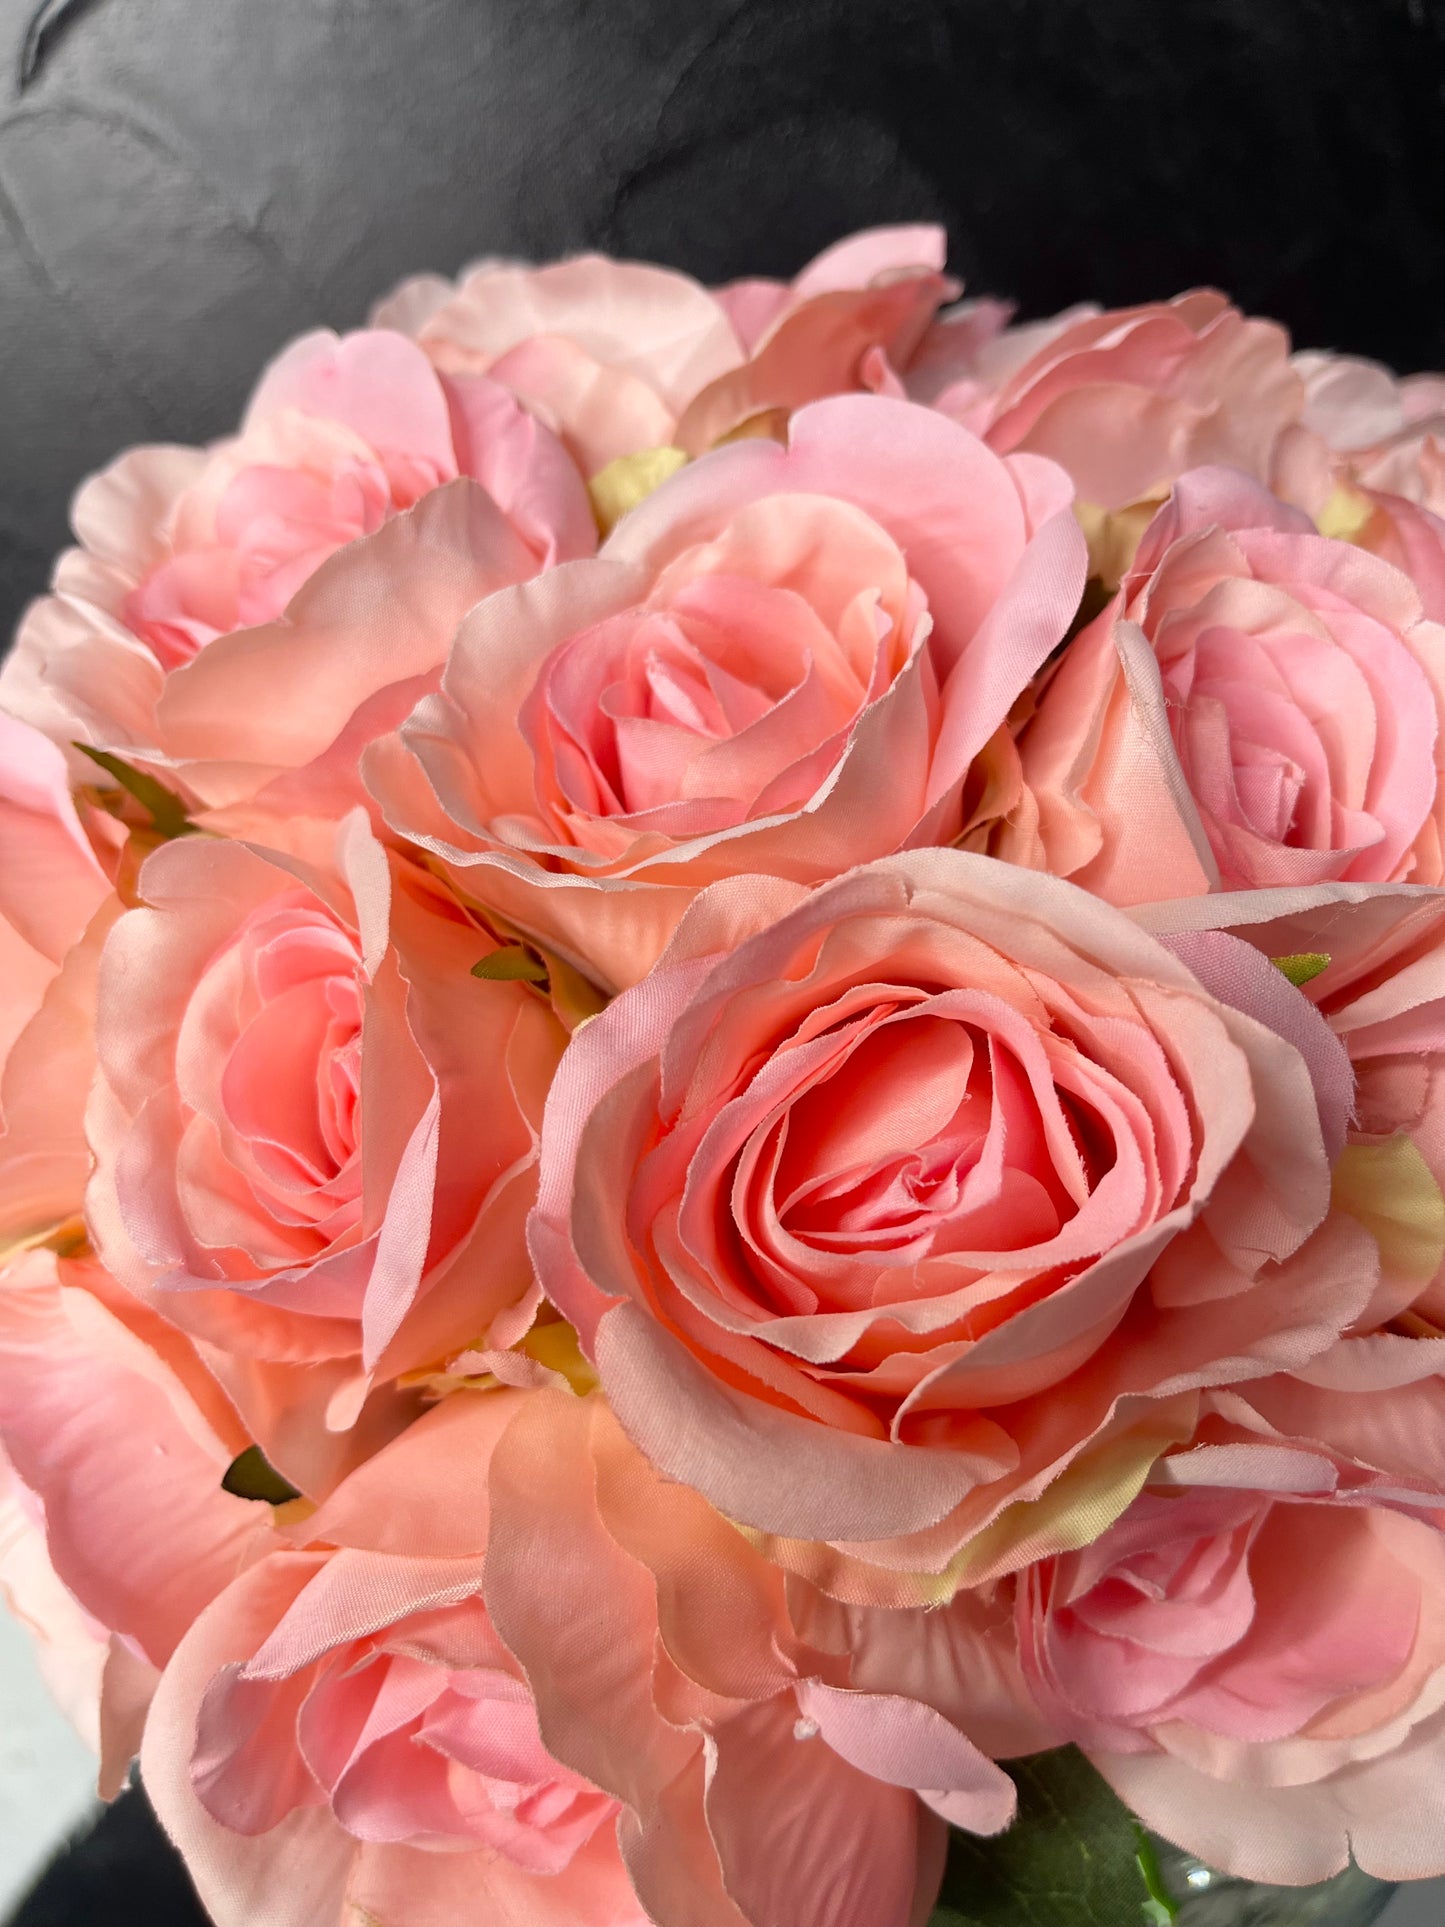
403, 1714
1369, 465
343, 1734
621, 357
1254, 1656
180, 546
315, 1131
1374, 959
1259, 706
1125, 399
720, 690
1383, 433
766, 1754
942, 1187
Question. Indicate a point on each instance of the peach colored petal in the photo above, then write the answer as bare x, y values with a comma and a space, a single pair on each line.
63, 1405
375, 619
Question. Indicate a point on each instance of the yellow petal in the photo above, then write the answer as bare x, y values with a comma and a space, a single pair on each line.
1389, 1189
1346, 514
630, 480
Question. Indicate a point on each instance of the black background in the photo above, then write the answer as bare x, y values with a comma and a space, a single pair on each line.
186, 183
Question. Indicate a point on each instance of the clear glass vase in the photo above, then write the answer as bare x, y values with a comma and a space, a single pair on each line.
1210, 1899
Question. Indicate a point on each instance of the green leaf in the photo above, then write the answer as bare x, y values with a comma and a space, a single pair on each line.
164, 807
513, 963
1302, 968
1074, 1857
250, 1475
1160, 1909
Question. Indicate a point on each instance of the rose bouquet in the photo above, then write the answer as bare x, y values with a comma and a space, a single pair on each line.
723, 1076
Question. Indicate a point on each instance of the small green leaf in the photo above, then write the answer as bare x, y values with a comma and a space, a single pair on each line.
165, 808
1302, 968
513, 963
1160, 1909
1072, 1858
251, 1476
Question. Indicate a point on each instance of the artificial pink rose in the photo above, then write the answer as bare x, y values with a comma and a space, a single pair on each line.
344, 1734
645, 1721
884, 1207
785, 661
1259, 706
315, 1131
1383, 434
1254, 1656
874, 255
1369, 465
1125, 399
1378, 957
853, 317
620, 357
778, 1764
181, 546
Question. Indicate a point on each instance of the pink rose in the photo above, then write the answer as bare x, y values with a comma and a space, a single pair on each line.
181, 546
1385, 434
1126, 400
1370, 465
1257, 1661
315, 1131
883, 1207
768, 1777
1259, 706
344, 1734
1379, 957
719, 691
872, 257
644, 1719
621, 357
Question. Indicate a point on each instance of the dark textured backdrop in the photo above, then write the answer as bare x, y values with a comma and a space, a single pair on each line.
185, 183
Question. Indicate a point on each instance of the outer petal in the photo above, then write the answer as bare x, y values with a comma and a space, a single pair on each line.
358, 643
112, 1450
50, 882
805, 1839
1387, 1814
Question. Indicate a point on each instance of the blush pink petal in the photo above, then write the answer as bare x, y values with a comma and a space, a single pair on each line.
70, 1387
1384, 1815
787, 1815
902, 1743
1128, 400
373, 624
375, 383
52, 884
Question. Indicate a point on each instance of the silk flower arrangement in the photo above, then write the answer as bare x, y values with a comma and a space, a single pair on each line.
722, 1038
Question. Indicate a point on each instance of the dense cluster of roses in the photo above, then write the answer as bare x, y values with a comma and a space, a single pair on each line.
723, 1073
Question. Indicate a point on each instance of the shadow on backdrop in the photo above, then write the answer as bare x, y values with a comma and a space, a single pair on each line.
186, 183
